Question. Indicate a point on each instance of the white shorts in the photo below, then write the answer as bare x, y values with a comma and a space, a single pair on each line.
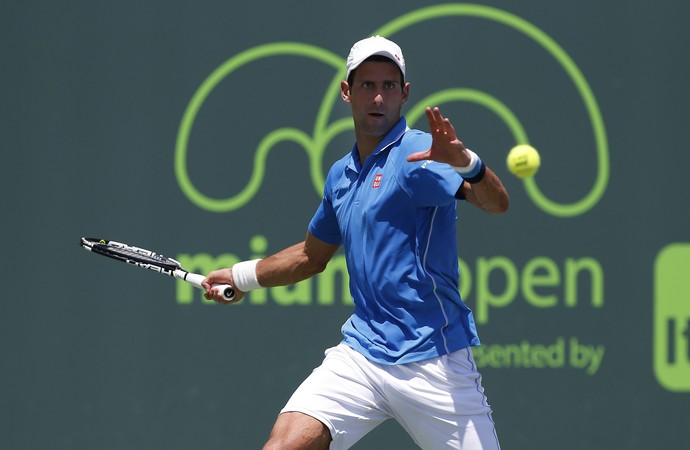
440, 401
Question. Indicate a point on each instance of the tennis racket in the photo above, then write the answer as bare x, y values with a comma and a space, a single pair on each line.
149, 260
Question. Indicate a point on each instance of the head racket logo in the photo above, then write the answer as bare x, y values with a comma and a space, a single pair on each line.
325, 129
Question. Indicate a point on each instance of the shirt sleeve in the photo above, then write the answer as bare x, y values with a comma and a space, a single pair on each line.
324, 224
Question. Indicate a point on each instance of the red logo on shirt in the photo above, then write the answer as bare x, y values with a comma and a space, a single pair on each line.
377, 180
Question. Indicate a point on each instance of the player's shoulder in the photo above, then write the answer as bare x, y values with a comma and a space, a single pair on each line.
415, 141
412, 141
337, 171
341, 164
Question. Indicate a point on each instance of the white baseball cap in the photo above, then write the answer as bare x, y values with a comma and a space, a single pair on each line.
375, 45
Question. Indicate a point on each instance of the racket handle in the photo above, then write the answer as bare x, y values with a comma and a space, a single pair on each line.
227, 290
195, 279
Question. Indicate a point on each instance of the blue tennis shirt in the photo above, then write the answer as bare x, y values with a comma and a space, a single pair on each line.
396, 222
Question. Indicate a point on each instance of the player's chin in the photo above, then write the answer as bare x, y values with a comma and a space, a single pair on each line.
378, 124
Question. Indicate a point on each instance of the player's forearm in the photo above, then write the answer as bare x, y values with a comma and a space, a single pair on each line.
288, 266
488, 194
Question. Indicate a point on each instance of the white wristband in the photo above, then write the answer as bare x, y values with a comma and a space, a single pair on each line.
474, 172
244, 275
471, 167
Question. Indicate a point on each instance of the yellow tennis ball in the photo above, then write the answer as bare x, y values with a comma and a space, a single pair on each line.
523, 161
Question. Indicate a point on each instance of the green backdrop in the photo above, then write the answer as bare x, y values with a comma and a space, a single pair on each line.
204, 130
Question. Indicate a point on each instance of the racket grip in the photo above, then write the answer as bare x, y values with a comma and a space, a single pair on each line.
227, 290
196, 279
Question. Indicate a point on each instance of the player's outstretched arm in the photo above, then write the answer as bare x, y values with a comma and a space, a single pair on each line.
289, 266
488, 193
295, 263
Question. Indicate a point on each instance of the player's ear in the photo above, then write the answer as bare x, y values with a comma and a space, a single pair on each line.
345, 91
405, 93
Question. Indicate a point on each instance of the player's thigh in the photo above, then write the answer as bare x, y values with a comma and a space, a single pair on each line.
341, 394
298, 431
461, 433
441, 403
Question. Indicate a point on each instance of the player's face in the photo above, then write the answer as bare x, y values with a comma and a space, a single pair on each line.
377, 96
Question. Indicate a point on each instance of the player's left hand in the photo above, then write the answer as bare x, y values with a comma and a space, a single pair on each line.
445, 145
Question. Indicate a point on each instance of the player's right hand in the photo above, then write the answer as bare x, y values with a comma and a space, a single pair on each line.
221, 276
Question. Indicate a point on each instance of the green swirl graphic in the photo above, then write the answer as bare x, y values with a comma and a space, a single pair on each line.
313, 145
323, 132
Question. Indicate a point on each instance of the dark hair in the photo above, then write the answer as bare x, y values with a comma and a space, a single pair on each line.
377, 58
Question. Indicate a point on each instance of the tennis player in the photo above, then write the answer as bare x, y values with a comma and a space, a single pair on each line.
391, 204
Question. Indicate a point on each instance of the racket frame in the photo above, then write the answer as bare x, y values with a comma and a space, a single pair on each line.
150, 260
